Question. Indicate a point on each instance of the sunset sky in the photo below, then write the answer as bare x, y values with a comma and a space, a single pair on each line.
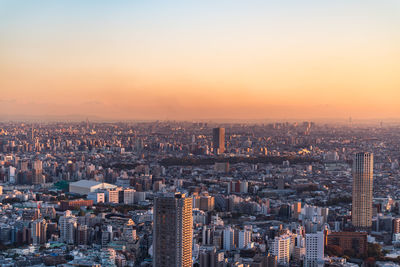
191, 60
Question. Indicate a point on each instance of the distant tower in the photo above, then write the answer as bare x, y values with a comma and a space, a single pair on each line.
363, 165
172, 231
38, 177
219, 140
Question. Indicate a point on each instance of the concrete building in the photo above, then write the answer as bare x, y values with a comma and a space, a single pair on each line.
281, 248
96, 197
172, 231
352, 241
229, 239
244, 238
205, 203
314, 250
363, 165
219, 140
39, 232
84, 187
68, 224
129, 196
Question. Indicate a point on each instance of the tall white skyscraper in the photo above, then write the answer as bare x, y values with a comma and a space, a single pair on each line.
362, 190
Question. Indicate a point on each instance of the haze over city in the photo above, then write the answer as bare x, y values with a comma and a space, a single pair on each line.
197, 60
225, 133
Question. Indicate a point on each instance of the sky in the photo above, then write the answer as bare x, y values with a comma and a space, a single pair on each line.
199, 60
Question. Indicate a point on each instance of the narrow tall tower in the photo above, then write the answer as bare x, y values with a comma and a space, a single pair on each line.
363, 165
172, 231
219, 140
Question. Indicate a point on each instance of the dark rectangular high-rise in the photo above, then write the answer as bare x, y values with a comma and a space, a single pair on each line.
219, 140
172, 231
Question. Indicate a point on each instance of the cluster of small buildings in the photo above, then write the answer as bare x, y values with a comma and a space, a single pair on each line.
117, 194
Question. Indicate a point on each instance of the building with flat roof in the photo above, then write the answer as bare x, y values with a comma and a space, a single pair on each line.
353, 241
219, 140
172, 231
84, 187
363, 174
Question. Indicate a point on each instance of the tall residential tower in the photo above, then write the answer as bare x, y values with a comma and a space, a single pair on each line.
362, 190
172, 231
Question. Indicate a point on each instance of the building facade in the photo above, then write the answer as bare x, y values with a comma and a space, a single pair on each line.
362, 190
172, 231
219, 140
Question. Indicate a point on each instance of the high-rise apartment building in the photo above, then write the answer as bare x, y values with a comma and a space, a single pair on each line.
206, 203
280, 248
68, 224
38, 232
172, 231
219, 140
314, 250
229, 238
82, 233
38, 177
362, 190
244, 238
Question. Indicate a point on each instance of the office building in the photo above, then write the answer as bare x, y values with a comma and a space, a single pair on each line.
219, 140
351, 241
172, 231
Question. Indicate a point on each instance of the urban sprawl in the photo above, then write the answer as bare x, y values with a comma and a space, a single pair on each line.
199, 194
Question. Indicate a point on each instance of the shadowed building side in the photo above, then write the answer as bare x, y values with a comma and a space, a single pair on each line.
172, 231
219, 140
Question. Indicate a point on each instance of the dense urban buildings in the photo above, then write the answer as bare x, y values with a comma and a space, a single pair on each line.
156, 194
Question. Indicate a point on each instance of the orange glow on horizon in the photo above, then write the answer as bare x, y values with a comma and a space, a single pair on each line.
305, 67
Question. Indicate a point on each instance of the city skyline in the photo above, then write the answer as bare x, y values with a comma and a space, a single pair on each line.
199, 60
190, 194
205, 133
